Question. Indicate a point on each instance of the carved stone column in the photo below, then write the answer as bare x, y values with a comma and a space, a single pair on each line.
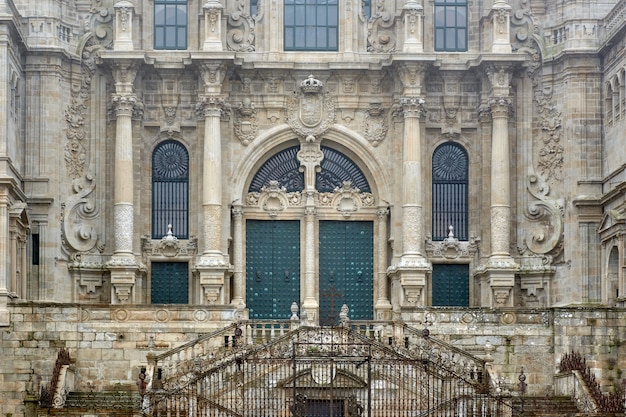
212, 267
500, 16
498, 275
124, 11
311, 302
413, 18
123, 265
383, 305
212, 26
413, 267
310, 156
239, 287
4, 258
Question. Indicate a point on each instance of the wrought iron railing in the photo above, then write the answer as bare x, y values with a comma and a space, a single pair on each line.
357, 369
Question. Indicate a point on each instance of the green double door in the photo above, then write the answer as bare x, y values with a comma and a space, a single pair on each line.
272, 268
345, 269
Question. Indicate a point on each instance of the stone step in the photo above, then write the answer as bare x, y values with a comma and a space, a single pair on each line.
104, 400
546, 406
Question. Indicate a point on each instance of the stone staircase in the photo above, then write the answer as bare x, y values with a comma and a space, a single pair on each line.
547, 406
106, 400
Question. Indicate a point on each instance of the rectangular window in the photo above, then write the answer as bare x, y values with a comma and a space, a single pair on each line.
34, 238
170, 24
254, 7
451, 25
311, 25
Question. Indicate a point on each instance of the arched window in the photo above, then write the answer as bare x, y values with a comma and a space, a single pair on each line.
284, 168
170, 190
450, 195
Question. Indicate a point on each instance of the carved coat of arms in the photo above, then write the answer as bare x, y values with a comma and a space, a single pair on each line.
310, 112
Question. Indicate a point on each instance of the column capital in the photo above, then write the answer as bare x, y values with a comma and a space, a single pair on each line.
123, 104
237, 212
500, 107
412, 106
210, 105
382, 213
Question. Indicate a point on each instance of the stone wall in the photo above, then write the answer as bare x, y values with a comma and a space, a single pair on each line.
108, 345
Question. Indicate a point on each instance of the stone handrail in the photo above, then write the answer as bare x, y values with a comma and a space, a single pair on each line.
614, 20
572, 384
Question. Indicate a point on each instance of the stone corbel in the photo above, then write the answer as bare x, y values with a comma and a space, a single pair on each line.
124, 14
413, 18
213, 26
500, 16
123, 279
535, 274
212, 283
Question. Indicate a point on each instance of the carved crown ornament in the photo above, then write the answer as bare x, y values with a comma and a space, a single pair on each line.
310, 112
451, 247
346, 199
169, 246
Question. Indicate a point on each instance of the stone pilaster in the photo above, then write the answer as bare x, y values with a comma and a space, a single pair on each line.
212, 26
124, 14
122, 265
239, 285
383, 305
413, 18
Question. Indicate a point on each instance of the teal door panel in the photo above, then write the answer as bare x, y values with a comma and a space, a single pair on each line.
346, 269
170, 283
450, 285
272, 268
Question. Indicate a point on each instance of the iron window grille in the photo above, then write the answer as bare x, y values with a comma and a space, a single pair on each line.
170, 190
449, 192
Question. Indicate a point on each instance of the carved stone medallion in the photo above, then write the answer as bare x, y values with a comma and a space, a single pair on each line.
310, 112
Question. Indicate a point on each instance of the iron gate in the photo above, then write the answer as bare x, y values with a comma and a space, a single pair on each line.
327, 372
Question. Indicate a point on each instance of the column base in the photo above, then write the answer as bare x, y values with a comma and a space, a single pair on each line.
497, 279
383, 310
310, 312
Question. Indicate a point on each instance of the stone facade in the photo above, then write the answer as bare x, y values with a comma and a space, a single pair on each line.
536, 99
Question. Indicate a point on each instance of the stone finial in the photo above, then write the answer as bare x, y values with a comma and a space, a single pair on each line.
413, 18
213, 26
124, 13
500, 17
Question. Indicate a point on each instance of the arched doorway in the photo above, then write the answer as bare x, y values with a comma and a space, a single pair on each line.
315, 242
